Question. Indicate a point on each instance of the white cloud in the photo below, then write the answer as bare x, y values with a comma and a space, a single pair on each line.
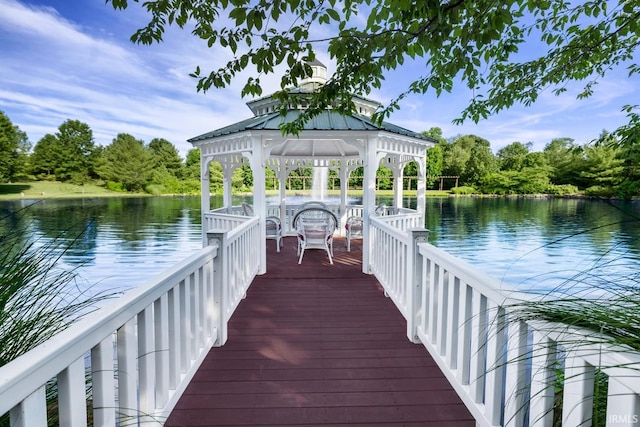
66, 73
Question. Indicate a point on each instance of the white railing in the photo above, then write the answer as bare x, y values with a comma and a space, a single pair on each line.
140, 352
486, 357
223, 217
214, 220
504, 370
239, 263
392, 261
403, 221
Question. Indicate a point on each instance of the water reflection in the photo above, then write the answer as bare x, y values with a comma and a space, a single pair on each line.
118, 243
530, 243
538, 243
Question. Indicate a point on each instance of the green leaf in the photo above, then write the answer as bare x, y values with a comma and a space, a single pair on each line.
333, 14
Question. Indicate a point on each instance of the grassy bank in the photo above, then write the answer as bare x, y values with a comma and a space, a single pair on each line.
61, 190
50, 190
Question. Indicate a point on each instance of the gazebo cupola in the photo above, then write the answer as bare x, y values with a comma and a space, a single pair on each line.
269, 104
331, 139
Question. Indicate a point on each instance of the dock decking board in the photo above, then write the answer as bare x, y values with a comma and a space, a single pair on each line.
318, 344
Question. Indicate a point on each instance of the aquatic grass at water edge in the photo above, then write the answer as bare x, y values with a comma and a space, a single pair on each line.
38, 297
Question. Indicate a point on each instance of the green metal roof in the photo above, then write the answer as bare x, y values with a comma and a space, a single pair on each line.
327, 120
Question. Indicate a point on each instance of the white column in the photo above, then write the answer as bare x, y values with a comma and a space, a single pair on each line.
256, 162
205, 198
283, 172
227, 173
398, 173
368, 197
422, 185
343, 174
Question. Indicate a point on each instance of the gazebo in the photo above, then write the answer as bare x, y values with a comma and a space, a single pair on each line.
333, 140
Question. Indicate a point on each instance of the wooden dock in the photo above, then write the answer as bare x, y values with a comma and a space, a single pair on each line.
318, 344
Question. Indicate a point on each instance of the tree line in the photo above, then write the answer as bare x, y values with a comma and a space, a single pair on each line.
601, 168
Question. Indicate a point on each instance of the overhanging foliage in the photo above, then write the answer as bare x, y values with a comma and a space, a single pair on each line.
484, 45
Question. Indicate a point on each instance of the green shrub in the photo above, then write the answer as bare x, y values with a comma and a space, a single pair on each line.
628, 190
177, 186
464, 190
600, 191
155, 189
562, 190
115, 186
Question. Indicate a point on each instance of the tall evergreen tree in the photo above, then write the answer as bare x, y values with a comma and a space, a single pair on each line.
604, 166
470, 158
126, 161
481, 162
14, 146
192, 164
513, 157
74, 151
435, 154
166, 155
566, 160
43, 158
630, 185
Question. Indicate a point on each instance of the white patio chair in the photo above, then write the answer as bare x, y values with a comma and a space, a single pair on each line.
314, 229
381, 210
274, 230
353, 227
314, 204
247, 209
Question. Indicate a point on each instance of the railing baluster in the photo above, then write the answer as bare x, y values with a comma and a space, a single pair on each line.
161, 337
103, 383
623, 405
516, 385
185, 326
478, 341
427, 266
465, 317
577, 400
72, 398
32, 411
200, 307
146, 362
433, 303
127, 373
495, 363
206, 283
453, 327
443, 294
543, 376
173, 306
193, 320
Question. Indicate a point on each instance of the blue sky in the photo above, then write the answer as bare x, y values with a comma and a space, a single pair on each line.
63, 59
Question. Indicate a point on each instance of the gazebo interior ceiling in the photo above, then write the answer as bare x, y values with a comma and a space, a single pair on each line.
308, 148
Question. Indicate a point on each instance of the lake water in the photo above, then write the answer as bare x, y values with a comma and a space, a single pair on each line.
527, 243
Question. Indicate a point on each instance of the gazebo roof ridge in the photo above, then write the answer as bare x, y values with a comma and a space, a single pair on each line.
325, 121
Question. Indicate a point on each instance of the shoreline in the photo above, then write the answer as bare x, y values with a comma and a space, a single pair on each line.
47, 190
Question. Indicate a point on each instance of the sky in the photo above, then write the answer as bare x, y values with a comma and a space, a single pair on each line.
62, 60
